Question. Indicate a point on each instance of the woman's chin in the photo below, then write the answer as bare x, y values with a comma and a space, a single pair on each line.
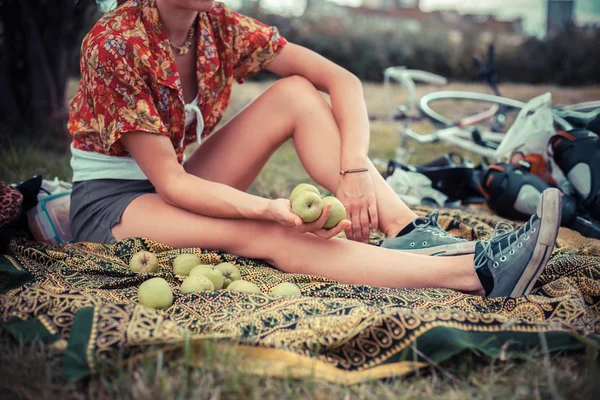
205, 5
192, 5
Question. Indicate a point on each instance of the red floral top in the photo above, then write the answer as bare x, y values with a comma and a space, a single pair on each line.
129, 81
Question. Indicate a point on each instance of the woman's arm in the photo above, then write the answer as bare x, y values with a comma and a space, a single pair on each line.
157, 159
346, 93
356, 191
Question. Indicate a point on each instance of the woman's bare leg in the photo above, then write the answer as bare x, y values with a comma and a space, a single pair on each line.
342, 260
291, 108
236, 154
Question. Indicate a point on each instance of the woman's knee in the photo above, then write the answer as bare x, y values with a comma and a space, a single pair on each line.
259, 239
299, 94
280, 246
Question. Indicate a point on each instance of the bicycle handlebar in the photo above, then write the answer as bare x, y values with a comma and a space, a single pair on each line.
401, 74
487, 71
407, 78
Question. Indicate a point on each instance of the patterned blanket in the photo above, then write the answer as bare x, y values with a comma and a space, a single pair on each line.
82, 299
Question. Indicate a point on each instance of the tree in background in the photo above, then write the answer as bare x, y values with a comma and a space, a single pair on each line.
39, 51
40, 42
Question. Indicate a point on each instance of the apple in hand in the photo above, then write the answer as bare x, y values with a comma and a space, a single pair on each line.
308, 206
230, 273
207, 271
243, 286
286, 289
301, 188
155, 293
143, 261
197, 283
337, 212
183, 264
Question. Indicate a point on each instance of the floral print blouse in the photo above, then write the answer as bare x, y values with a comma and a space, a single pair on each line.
129, 81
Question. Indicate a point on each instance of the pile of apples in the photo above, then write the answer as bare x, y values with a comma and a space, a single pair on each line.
307, 203
156, 292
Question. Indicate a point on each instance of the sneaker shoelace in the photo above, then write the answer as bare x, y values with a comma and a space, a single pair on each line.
503, 230
430, 224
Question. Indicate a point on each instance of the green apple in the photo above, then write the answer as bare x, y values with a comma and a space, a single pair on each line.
286, 289
243, 286
143, 261
200, 269
214, 275
308, 206
337, 214
230, 273
197, 283
183, 264
301, 188
155, 293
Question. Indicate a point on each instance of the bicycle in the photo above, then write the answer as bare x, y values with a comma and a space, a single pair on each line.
466, 133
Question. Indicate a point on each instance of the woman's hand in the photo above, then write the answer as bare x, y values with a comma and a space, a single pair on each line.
357, 193
280, 210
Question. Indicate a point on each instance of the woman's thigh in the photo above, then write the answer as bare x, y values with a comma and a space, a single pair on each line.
151, 217
236, 153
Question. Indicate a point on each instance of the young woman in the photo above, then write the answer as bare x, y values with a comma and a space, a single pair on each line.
157, 76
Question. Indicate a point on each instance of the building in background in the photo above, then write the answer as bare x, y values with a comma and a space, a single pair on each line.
383, 4
406, 15
560, 15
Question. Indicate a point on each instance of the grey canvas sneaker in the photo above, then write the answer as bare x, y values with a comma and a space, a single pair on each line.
509, 264
428, 238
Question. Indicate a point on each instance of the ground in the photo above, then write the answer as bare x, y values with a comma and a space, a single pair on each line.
33, 371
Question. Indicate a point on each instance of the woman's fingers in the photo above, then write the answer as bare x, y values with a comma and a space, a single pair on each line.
364, 223
336, 230
348, 227
296, 221
318, 224
323, 218
356, 229
373, 216
291, 220
360, 219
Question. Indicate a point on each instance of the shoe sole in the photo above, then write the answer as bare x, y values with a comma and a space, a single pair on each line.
456, 249
550, 213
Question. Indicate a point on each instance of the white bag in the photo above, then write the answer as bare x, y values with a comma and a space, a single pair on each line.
530, 133
52, 187
413, 187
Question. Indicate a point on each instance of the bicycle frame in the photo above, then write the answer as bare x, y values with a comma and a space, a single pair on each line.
583, 107
456, 134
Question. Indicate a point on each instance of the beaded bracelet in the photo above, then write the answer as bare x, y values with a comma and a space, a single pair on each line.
352, 171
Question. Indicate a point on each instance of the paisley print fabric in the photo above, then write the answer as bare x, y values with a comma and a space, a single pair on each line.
83, 298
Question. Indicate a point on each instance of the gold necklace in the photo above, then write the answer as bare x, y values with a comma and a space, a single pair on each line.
185, 48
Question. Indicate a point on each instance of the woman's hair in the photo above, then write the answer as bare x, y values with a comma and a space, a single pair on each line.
119, 2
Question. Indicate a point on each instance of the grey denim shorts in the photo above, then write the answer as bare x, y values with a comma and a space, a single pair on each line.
97, 206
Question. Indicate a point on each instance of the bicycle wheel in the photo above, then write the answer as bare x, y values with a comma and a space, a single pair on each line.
583, 107
494, 101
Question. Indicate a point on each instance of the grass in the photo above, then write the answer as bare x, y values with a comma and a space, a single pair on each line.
31, 371
22, 159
